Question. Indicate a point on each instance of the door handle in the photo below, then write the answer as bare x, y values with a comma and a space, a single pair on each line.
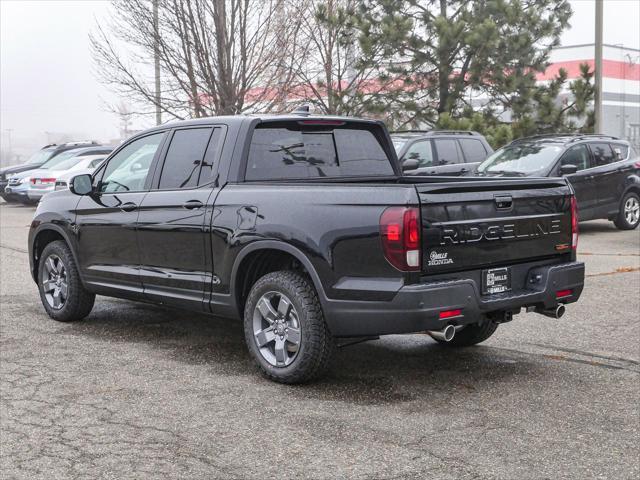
128, 207
192, 204
463, 170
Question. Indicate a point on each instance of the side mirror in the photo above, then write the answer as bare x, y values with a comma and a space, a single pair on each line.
568, 169
81, 184
410, 164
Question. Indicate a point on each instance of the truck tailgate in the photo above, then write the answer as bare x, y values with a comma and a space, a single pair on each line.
488, 223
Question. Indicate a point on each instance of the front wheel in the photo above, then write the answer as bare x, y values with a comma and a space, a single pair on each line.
61, 291
285, 329
629, 215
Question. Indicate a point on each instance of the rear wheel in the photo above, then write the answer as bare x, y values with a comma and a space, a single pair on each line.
61, 291
629, 215
285, 329
471, 335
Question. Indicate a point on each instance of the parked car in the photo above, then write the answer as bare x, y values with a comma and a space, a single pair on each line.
87, 166
304, 227
38, 159
603, 170
20, 185
44, 181
440, 152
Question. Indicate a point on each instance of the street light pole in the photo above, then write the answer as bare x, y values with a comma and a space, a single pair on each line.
598, 67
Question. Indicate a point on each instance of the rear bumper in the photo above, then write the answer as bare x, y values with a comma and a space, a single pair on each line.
416, 308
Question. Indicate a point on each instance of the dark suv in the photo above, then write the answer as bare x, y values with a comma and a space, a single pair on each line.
440, 152
603, 170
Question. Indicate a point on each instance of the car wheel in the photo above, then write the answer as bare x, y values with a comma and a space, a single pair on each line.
629, 215
471, 335
63, 296
285, 329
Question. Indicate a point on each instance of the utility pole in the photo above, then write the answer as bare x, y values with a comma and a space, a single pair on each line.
598, 67
156, 58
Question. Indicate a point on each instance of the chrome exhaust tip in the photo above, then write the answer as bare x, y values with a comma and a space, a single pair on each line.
556, 313
444, 335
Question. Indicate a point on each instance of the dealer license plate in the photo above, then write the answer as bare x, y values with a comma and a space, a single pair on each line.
496, 280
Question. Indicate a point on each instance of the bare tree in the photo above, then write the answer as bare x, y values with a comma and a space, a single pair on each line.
217, 57
336, 69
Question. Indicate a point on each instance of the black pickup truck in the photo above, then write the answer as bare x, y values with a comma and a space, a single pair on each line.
304, 227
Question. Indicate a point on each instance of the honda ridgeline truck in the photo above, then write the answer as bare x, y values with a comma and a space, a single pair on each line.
304, 227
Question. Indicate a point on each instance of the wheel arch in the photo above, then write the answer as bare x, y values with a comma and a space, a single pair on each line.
262, 257
633, 185
43, 236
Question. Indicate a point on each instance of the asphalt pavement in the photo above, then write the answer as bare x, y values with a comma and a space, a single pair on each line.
138, 391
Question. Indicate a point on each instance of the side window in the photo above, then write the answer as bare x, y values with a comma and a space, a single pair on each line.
181, 168
473, 150
578, 156
422, 152
621, 151
602, 154
128, 169
447, 151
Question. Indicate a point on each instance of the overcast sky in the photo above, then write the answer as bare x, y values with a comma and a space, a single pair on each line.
47, 82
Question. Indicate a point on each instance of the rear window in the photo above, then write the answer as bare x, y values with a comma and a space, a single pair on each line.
621, 151
301, 151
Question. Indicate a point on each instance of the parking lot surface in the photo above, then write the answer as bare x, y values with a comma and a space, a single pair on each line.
138, 391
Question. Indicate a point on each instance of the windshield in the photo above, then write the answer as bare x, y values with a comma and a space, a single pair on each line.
39, 157
59, 159
520, 159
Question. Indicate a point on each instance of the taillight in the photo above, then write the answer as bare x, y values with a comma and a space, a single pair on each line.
400, 232
42, 180
574, 223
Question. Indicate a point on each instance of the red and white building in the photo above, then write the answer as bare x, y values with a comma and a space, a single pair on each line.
620, 84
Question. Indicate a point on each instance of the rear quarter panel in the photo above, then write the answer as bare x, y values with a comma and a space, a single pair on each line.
336, 226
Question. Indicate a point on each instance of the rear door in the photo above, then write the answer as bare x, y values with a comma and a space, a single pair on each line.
606, 178
495, 223
174, 217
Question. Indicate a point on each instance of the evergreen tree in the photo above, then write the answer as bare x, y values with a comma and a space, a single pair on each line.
451, 58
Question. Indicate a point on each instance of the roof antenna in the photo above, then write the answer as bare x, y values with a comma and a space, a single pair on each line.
302, 110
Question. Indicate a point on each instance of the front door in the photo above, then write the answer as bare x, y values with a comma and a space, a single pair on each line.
106, 220
174, 220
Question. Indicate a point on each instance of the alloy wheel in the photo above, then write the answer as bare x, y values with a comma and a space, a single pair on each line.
276, 329
54, 282
632, 210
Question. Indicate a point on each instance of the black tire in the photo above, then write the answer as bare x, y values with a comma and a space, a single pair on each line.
622, 220
316, 345
78, 302
471, 335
